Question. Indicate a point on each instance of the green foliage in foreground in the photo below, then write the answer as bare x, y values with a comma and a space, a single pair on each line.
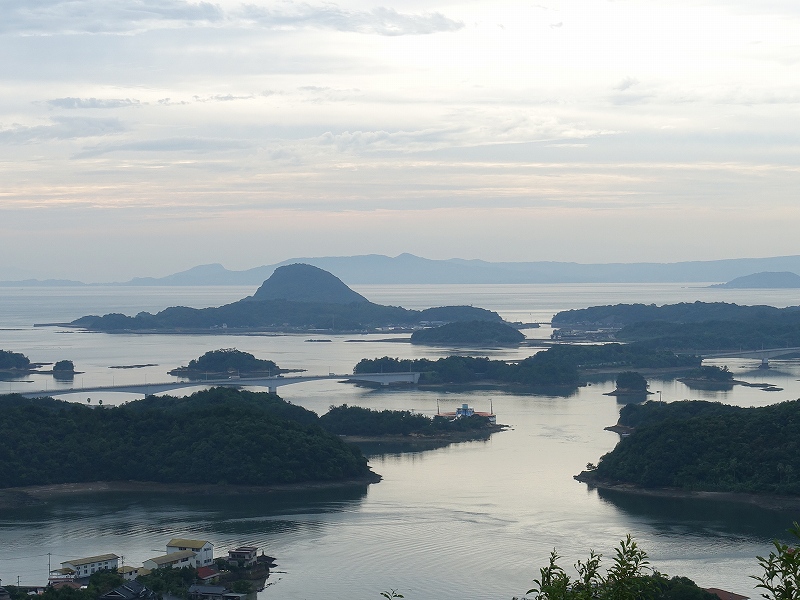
781, 578
355, 420
484, 333
214, 436
630, 577
709, 446
556, 366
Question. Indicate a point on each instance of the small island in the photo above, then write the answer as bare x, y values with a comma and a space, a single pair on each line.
469, 333
630, 383
227, 362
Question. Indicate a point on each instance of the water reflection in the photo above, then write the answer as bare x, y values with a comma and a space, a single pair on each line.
703, 517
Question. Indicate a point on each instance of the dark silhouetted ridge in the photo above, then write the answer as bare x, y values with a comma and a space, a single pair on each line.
306, 283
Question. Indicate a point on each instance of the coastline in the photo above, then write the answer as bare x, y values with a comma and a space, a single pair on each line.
766, 501
36, 495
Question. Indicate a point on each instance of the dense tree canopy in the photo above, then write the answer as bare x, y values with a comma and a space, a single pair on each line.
483, 333
708, 446
225, 361
13, 360
354, 420
693, 327
631, 381
214, 436
556, 366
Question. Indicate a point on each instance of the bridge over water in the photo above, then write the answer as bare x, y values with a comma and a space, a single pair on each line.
764, 354
271, 383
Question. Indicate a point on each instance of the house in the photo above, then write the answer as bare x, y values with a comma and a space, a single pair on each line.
132, 590
175, 560
84, 567
207, 574
131, 573
202, 548
207, 592
244, 556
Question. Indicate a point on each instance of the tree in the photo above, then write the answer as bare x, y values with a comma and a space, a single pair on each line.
630, 577
631, 380
781, 578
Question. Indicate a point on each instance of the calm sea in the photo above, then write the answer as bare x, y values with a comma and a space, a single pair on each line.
473, 520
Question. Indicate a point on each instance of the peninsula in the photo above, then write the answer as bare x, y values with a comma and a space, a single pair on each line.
217, 437
694, 446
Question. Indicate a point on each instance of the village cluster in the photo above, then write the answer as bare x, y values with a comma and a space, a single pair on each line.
180, 553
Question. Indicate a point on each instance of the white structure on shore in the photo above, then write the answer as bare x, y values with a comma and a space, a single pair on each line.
84, 567
203, 549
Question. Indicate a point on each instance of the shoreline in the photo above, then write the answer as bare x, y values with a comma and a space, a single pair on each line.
37, 495
766, 501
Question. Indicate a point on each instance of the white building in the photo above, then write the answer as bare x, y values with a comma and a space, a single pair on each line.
84, 567
175, 560
202, 548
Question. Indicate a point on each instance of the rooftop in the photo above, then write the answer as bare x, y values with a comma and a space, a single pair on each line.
90, 559
171, 558
186, 543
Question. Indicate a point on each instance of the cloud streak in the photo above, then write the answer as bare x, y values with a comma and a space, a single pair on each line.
92, 102
61, 128
52, 17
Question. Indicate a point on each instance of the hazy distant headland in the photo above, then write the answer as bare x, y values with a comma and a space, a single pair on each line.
408, 269
765, 280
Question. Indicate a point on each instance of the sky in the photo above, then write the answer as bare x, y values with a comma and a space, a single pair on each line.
143, 137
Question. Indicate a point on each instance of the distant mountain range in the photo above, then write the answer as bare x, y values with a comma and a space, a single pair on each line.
407, 268
772, 280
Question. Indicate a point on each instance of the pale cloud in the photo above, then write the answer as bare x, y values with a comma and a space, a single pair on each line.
92, 102
318, 109
188, 144
380, 20
61, 128
51, 17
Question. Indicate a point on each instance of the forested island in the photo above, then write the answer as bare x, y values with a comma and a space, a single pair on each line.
558, 366
217, 436
691, 327
295, 298
226, 362
469, 333
705, 446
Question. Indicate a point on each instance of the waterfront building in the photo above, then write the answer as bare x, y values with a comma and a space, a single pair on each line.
174, 560
84, 567
202, 548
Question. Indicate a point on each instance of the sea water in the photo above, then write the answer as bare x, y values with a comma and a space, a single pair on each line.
469, 520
